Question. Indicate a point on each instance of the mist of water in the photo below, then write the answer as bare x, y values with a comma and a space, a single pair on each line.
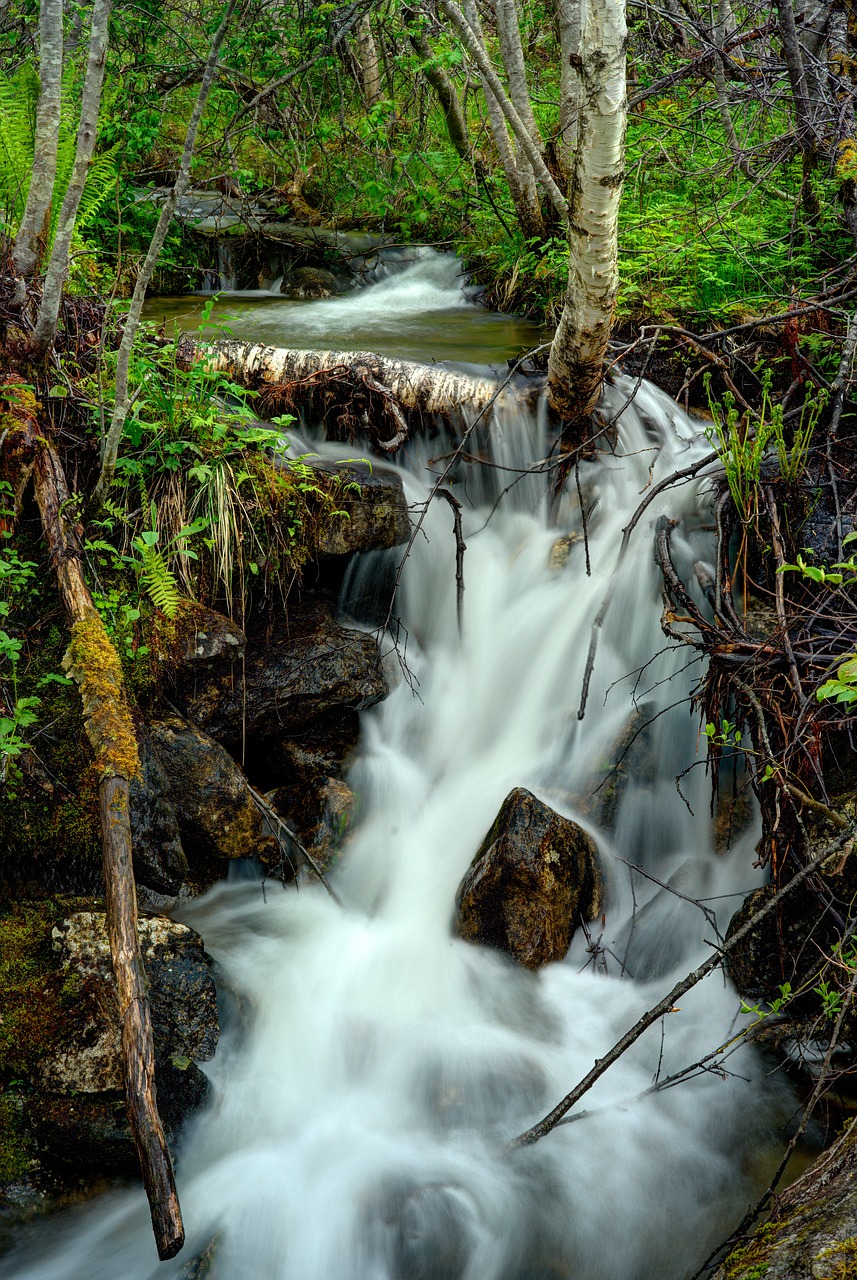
374, 1067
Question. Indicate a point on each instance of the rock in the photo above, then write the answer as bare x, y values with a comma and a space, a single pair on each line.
310, 282
812, 1232
191, 805
60, 1040
309, 668
205, 637
535, 876
181, 992
321, 822
420, 1232
776, 951
376, 514
560, 552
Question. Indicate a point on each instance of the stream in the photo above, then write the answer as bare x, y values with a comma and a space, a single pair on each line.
373, 1068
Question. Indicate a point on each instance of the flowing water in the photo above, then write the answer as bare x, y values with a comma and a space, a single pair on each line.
374, 1068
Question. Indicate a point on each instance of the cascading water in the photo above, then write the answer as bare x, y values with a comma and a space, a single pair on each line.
373, 1068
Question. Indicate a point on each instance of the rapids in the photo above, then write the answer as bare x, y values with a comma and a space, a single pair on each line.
373, 1068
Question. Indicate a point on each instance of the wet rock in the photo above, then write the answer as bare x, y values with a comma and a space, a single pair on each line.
310, 282
629, 756
190, 807
308, 668
560, 552
776, 950
534, 878
205, 637
421, 1232
376, 514
320, 812
812, 1232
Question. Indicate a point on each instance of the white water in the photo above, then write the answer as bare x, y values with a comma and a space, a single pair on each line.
366, 1091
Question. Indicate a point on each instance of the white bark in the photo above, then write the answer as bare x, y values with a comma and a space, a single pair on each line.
110, 447
512, 54
441, 82
476, 49
90, 100
569, 19
33, 232
367, 55
416, 388
580, 343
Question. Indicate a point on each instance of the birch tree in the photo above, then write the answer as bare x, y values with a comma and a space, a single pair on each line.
33, 231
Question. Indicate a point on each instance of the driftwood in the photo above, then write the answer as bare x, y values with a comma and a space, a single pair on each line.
93, 663
396, 389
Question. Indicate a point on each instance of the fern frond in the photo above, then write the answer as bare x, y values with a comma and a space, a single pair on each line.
158, 581
17, 104
100, 183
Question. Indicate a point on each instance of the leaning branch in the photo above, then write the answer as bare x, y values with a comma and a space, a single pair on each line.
667, 1005
94, 665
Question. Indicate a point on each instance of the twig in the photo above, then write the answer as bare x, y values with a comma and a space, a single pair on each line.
460, 548
668, 1003
273, 817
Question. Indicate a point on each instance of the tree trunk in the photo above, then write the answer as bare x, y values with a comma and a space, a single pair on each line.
580, 343
33, 232
441, 82
367, 56
110, 446
512, 54
569, 20
417, 390
93, 663
46, 322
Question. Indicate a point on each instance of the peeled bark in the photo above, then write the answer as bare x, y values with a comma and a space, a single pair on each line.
580, 343
416, 388
33, 232
94, 665
90, 99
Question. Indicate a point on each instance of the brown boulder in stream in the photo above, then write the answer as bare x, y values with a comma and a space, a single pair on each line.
534, 878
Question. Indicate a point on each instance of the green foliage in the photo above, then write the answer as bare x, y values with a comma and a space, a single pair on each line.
18, 97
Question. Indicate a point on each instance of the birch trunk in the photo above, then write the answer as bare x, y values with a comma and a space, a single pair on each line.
46, 321
420, 389
35, 224
569, 20
580, 343
441, 82
94, 665
367, 56
512, 54
476, 48
110, 447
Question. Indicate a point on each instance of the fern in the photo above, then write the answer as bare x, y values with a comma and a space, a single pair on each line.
18, 99
157, 578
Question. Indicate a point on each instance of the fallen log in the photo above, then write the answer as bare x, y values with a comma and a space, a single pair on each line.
371, 394
92, 661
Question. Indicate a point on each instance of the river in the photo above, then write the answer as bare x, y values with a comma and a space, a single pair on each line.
373, 1068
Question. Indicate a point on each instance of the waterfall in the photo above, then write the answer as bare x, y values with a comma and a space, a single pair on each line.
373, 1068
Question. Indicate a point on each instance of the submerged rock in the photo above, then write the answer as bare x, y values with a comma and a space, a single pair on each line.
420, 1232
534, 878
310, 282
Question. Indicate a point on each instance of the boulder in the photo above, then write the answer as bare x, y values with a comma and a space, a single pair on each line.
205, 637
320, 811
60, 1039
534, 878
191, 805
309, 282
376, 513
812, 1232
308, 668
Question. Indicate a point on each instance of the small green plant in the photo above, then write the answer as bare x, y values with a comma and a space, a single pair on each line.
150, 561
776, 1006
728, 735
830, 997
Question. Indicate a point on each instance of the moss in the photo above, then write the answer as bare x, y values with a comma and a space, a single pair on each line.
36, 996
840, 1260
94, 664
14, 1160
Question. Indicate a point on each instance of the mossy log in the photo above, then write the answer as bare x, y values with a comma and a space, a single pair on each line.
93, 663
397, 390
